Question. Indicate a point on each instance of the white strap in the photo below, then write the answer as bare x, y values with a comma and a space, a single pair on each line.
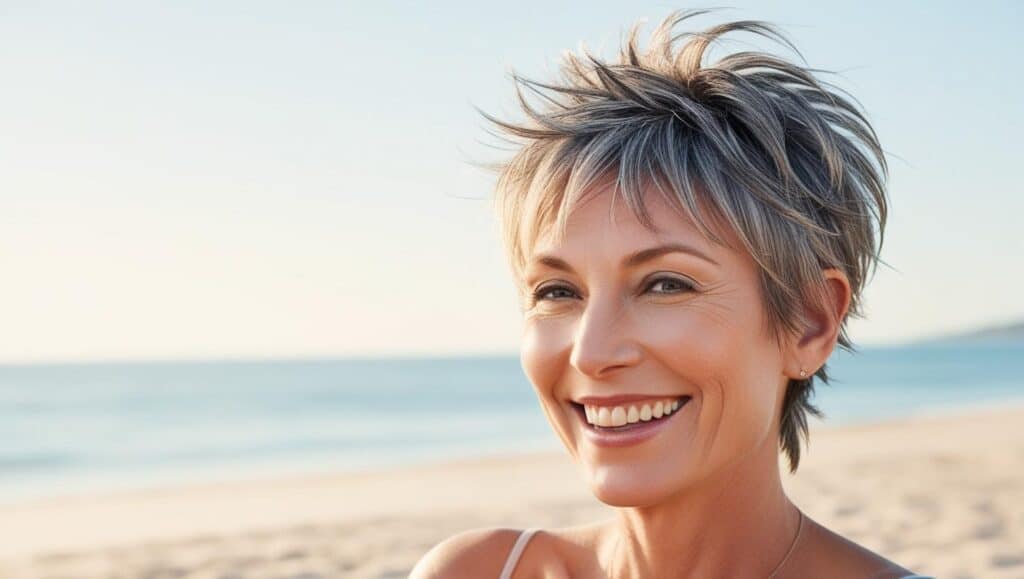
517, 550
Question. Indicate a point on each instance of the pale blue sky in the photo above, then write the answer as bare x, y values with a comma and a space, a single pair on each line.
196, 179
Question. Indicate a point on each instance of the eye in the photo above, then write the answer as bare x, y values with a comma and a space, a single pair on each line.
680, 285
541, 293
670, 286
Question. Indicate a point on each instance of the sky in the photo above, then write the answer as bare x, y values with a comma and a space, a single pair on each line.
270, 179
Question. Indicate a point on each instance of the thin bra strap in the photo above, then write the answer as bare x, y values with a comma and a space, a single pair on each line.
517, 550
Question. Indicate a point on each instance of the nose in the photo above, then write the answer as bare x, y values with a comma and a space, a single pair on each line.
602, 342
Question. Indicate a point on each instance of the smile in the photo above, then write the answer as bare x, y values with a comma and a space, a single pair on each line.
627, 424
614, 416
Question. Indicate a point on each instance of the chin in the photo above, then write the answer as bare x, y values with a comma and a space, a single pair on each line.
630, 486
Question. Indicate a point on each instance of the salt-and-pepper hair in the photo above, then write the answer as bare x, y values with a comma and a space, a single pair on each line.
752, 142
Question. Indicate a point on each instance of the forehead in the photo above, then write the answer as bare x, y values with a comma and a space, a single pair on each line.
606, 220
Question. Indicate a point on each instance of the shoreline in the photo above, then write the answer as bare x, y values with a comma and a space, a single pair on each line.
268, 476
916, 489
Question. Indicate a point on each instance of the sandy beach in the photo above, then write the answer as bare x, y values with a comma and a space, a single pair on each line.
942, 495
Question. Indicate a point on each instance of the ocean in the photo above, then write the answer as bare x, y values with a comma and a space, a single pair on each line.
77, 428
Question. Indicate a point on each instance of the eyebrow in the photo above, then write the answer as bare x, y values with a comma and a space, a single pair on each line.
632, 260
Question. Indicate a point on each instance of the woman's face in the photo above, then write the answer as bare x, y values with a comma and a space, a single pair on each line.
674, 324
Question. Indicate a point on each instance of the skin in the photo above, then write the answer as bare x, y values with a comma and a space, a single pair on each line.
704, 497
707, 489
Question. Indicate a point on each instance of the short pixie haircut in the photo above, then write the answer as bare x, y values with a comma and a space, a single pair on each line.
753, 142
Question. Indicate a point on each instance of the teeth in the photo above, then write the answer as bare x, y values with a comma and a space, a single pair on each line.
633, 415
620, 415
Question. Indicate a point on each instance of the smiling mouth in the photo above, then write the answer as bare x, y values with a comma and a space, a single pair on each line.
629, 416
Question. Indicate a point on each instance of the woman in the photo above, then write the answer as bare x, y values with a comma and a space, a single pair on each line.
689, 240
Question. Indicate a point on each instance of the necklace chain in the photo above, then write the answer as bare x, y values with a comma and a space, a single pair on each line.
792, 546
799, 527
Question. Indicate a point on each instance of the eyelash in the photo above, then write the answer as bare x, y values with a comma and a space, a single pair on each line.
539, 294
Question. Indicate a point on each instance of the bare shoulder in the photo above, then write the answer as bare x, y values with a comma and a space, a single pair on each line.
829, 554
553, 553
472, 554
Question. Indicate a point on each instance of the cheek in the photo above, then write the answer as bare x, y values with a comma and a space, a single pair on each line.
544, 355
697, 342
544, 352
720, 353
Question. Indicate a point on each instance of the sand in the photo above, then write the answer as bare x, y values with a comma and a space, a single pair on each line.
942, 495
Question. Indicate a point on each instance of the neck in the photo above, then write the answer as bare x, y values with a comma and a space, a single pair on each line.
737, 523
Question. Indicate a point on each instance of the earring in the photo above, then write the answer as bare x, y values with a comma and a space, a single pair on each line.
803, 372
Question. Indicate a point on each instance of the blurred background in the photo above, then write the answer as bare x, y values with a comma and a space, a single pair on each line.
246, 241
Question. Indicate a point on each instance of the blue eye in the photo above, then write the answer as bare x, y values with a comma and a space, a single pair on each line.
682, 286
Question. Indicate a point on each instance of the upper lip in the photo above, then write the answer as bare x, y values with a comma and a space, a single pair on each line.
623, 398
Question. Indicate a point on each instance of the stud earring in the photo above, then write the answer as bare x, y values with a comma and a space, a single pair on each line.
803, 372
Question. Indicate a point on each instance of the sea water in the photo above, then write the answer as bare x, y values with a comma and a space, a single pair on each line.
73, 428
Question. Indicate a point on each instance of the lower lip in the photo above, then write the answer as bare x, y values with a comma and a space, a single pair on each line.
635, 434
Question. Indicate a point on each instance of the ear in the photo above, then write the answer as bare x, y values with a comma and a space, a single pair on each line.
810, 349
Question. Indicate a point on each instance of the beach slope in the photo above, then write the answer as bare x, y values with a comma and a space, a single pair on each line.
942, 495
